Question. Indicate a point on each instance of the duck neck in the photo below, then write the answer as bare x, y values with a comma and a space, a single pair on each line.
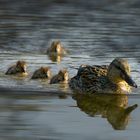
124, 86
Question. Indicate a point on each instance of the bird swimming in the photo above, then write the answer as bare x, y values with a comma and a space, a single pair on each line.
42, 73
61, 77
19, 68
56, 48
113, 78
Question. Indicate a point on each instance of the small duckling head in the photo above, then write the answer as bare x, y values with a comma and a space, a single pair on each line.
46, 71
56, 47
119, 72
64, 73
21, 66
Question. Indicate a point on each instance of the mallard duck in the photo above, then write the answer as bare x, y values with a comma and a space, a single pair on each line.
61, 77
18, 68
56, 48
42, 73
114, 78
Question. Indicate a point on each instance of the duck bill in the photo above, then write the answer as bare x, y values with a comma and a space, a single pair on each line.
130, 82
129, 109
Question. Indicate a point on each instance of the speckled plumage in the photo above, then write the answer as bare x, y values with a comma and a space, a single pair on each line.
97, 79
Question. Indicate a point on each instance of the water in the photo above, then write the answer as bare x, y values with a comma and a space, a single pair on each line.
93, 32
52, 118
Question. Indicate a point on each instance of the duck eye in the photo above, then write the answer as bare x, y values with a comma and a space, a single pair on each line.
122, 75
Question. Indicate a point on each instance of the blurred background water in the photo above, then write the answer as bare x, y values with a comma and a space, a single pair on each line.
93, 32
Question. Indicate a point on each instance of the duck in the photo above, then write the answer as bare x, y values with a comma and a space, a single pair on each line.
61, 77
56, 48
42, 73
113, 78
20, 68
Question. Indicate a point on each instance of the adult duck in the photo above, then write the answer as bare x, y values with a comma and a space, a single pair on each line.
114, 78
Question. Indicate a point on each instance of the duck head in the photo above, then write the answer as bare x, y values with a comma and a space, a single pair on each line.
21, 66
46, 71
64, 73
119, 72
56, 47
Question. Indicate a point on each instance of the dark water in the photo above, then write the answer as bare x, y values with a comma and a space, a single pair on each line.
93, 32
52, 118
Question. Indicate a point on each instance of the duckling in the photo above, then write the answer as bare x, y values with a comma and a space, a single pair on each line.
18, 68
42, 73
61, 77
56, 48
114, 78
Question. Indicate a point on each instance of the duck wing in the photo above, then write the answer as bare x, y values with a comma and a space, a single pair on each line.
89, 78
94, 71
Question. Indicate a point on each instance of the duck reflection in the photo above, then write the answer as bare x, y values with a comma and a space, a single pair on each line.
55, 58
113, 107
